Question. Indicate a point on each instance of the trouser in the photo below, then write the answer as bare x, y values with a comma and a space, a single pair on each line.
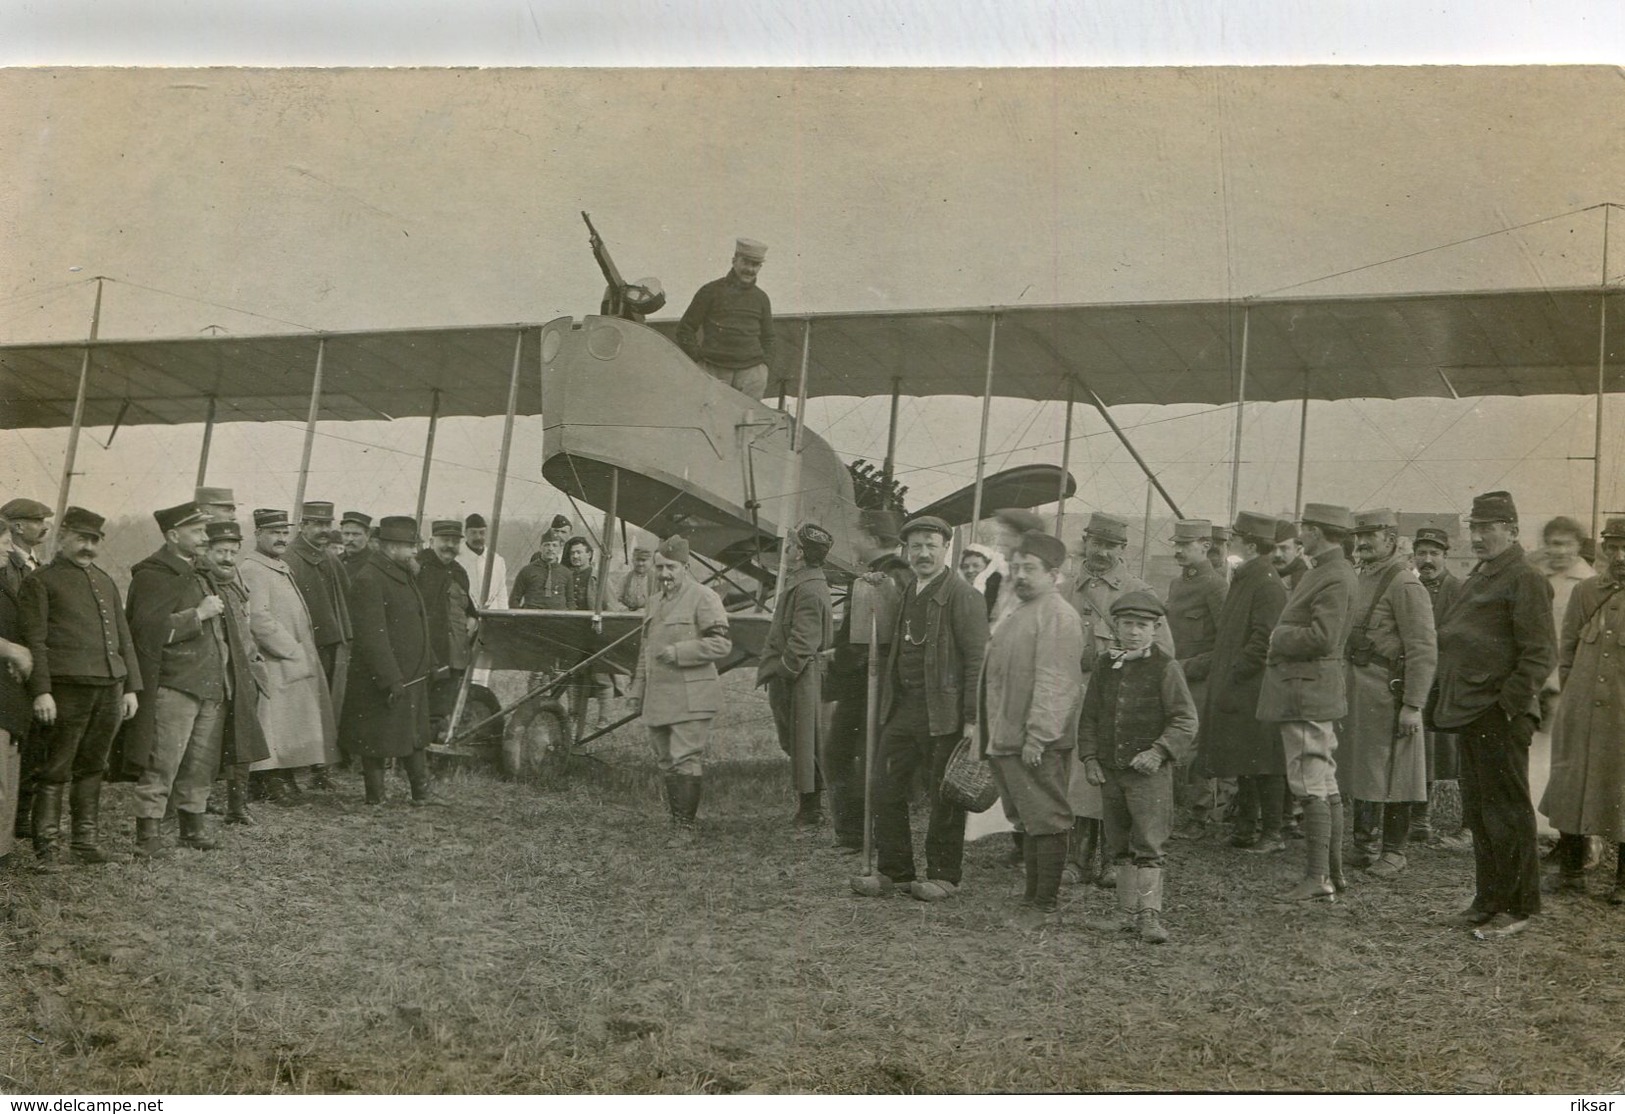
75, 746
907, 745
1139, 810
1259, 800
28, 762
11, 768
185, 755
747, 380
680, 747
843, 763
1495, 806
1034, 797
1311, 758
781, 700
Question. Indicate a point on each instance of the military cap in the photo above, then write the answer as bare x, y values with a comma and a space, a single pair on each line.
1106, 527
560, 522
362, 520
555, 535
674, 548
1431, 535
25, 510
1220, 533
1369, 522
446, 527
814, 539
1019, 518
80, 521
1285, 530
214, 495
1193, 530
173, 518
398, 528
316, 511
1327, 514
270, 518
1139, 603
1251, 524
1493, 506
927, 523
475, 521
753, 250
224, 530
880, 525
1046, 547
1614, 528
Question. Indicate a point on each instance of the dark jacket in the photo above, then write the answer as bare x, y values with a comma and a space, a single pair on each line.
1444, 592
74, 623
391, 647
956, 639
16, 710
1133, 706
728, 324
1232, 741
244, 736
174, 648
543, 586
1497, 642
1303, 673
434, 576
325, 586
1194, 603
802, 628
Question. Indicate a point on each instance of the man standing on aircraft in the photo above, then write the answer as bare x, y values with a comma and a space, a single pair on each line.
792, 665
728, 327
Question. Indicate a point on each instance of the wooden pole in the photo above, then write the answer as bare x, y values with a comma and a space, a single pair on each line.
1145, 541
428, 456
78, 410
1241, 413
1602, 361
981, 443
889, 469
609, 533
310, 431
1303, 441
871, 735
208, 438
1066, 463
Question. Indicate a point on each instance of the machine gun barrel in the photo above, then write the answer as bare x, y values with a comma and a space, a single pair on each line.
612, 274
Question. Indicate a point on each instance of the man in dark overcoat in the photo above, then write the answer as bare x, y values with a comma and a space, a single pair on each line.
1195, 599
355, 528
180, 641
1231, 742
16, 714
792, 666
1497, 645
243, 735
1430, 548
325, 585
386, 710
1304, 692
443, 581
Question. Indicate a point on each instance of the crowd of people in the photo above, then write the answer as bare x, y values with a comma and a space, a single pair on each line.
1314, 680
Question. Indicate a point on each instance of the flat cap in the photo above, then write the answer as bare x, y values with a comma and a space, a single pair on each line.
446, 527
80, 521
1327, 514
1493, 506
751, 249
1139, 603
1193, 530
398, 528
475, 521
1431, 535
1380, 518
362, 520
173, 518
1106, 527
1019, 518
269, 518
928, 523
1046, 547
1251, 524
214, 495
674, 548
25, 510
224, 530
316, 511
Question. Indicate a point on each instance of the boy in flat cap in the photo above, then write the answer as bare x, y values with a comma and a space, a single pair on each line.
675, 688
728, 327
792, 665
1138, 721
84, 683
1496, 648
180, 641
1031, 688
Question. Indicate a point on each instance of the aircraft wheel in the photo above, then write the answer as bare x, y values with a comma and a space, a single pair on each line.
482, 704
537, 747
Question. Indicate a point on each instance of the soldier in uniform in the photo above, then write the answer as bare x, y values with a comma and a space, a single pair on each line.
1304, 691
1429, 549
218, 503
325, 586
16, 713
1391, 656
85, 682
675, 688
1288, 559
1195, 599
356, 530
1496, 648
248, 683
444, 585
792, 667
1103, 580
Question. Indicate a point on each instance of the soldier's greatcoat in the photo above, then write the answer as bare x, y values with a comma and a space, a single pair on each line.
694, 624
1303, 672
392, 646
1586, 793
1232, 741
297, 713
803, 627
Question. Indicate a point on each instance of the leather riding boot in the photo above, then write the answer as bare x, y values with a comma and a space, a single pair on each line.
417, 775
149, 840
1029, 860
373, 779
85, 799
23, 827
1049, 859
1316, 884
237, 797
47, 826
1148, 881
1570, 878
195, 831
1334, 843
673, 786
321, 781
809, 811
1422, 818
1616, 896
274, 787
688, 808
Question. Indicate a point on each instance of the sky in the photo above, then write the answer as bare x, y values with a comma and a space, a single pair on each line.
268, 200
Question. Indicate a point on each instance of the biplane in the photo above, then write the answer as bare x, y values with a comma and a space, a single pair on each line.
633, 428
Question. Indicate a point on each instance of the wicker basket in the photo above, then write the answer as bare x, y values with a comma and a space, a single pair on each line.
968, 779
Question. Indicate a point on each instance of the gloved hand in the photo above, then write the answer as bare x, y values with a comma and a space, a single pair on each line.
1523, 729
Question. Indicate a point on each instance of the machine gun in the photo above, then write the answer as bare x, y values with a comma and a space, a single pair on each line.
632, 301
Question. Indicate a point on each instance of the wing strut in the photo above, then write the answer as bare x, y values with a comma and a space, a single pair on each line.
78, 411
981, 443
208, 438
1094, 400
1066, 464
428, 454
788, 525
1241, 412
310, 429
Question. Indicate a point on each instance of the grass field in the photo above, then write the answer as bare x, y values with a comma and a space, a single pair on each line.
542, 939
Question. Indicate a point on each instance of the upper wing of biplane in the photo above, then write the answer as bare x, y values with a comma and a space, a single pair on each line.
1509, 342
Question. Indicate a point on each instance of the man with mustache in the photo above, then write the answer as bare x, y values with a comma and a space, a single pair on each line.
1429, 550
1195, 599
728, 327
355, 528
325, 586
1496, 648
84, 682
1288, 558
